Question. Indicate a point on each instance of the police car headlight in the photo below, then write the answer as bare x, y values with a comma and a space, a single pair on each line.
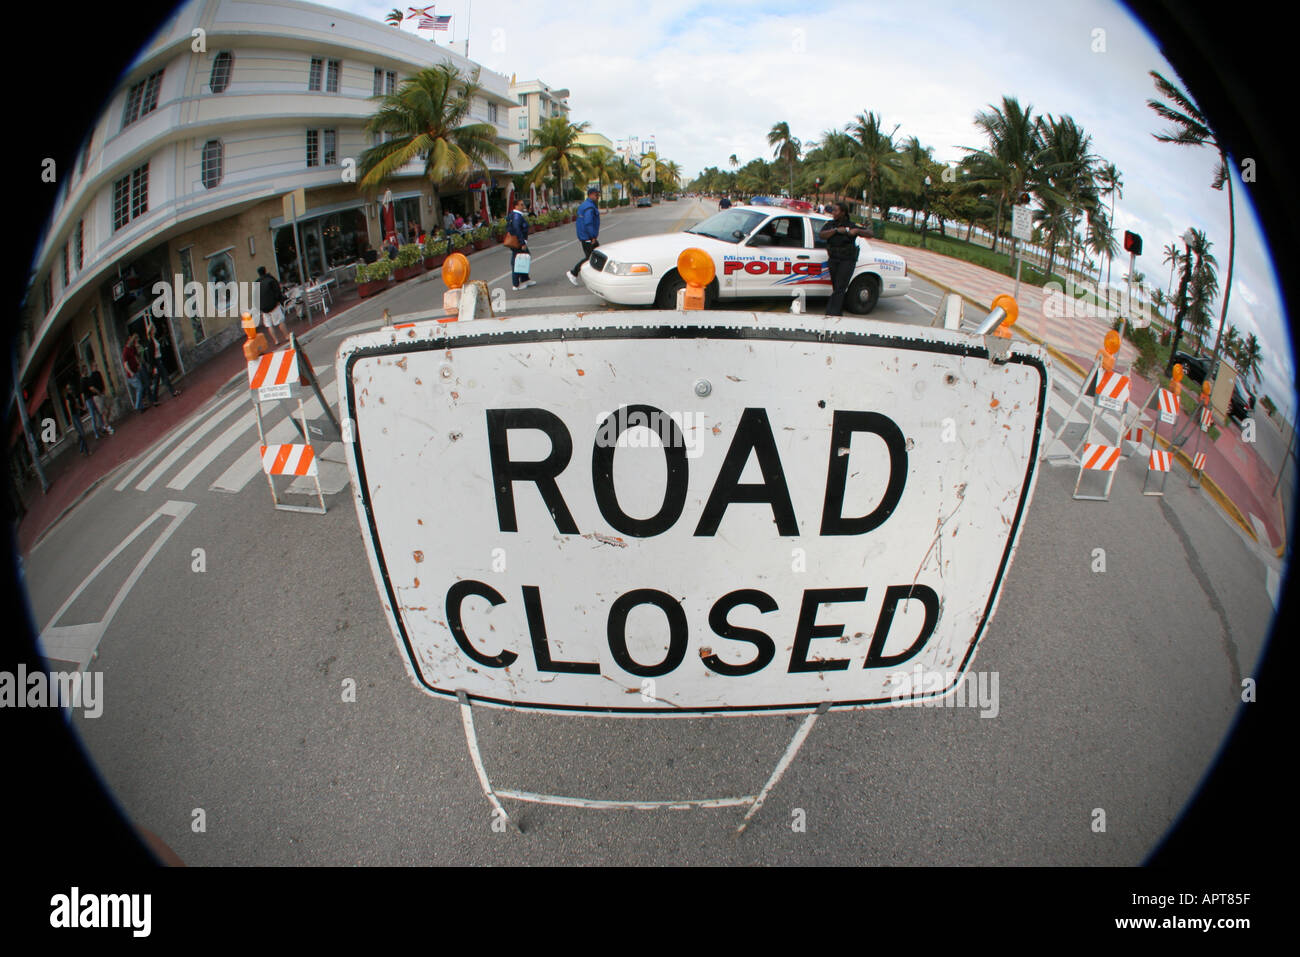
628, 269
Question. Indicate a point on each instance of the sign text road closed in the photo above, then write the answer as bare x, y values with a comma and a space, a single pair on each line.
670, 513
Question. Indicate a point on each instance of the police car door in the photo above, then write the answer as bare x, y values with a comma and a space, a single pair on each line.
777, 257
818, 284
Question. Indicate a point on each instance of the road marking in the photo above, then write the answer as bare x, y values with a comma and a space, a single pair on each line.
921, 304
191, 440
214, 448
80, 642
158, 448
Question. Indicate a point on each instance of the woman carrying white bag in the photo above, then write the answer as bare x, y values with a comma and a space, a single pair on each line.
517, 240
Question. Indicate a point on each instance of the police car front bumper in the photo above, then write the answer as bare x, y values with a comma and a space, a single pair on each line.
620, 290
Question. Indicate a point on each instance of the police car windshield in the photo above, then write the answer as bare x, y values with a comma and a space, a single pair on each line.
727, 223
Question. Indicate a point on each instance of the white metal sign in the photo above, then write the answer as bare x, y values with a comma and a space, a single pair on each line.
668, 513
1022, 222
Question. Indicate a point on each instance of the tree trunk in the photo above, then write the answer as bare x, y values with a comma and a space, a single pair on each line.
1232, 240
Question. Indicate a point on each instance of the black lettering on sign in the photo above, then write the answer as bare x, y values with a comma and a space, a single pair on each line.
505, 471
807, 629
541, 645
724, 629
753, 434
602, 470
617, 629
893, 595
837, 472
456, 594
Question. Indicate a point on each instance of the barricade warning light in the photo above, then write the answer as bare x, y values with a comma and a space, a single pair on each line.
696, 267
654, 515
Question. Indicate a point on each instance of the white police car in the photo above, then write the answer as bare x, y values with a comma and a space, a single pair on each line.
757, 251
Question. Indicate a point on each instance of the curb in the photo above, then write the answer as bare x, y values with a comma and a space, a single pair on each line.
1220, 497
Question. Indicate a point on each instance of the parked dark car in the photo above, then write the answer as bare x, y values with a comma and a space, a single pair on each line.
643, 201
1195, 368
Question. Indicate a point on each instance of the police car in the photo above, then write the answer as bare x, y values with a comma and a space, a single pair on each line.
757, 251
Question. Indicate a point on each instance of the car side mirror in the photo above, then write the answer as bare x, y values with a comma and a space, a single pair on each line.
737, 234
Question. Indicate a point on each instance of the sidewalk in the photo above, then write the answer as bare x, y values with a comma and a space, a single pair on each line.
1238, 480
72, 476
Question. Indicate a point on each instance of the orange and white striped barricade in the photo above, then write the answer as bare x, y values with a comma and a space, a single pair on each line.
1097, 458
1112, 395
1204, 419
1103, 364
271, 377
1158, 462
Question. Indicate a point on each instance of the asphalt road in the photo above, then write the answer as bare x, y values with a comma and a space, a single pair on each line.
226, 655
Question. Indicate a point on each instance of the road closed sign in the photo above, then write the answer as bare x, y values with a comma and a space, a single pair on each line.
670, 513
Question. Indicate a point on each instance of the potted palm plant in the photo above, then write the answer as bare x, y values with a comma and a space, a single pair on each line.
479, 237
373, 277
409, 262
460, 243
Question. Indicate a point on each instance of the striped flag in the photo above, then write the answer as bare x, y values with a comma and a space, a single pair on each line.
425, 12
435, 23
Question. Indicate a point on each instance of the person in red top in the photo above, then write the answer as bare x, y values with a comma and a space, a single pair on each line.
134, 373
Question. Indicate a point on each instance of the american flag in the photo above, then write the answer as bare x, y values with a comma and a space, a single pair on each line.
435, 23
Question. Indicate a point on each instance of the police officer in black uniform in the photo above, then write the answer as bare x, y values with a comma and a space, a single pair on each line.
841, 254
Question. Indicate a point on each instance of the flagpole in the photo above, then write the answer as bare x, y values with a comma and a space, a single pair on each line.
469, 9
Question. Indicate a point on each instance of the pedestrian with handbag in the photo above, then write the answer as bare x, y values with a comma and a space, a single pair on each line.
517, 241
153, 361
135, 373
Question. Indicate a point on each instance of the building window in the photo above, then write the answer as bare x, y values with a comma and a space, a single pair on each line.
221, 270
313, 76
390, 82
212, 164
332, 76
492, 114
142, 99
81, 244
378, 88
130, 196
315, 142
221, 65
523, 121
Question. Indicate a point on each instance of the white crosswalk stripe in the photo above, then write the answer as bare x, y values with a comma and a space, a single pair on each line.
190, 441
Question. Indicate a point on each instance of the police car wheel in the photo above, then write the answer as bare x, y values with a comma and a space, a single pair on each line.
864, 293
666, 297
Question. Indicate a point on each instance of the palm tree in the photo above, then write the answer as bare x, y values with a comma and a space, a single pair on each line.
787, 148
734, 161
1064, 178
394, 18
1110, 181
1005, 169
604, 169
1159, 301
425, 119
916, 158
1204, 287
1251, 355
1172, 255
556, 144
873, 159
672, 174
1191, 128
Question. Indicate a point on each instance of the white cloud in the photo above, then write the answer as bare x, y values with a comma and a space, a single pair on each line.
708, 79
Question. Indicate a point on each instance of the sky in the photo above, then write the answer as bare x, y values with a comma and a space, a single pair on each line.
708, 79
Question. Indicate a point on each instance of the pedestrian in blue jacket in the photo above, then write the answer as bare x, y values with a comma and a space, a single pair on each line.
588, 230
517, 226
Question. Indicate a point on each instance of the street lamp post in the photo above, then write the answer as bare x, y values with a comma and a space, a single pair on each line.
925, 203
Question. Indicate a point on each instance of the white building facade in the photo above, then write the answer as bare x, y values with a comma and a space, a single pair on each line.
231, 106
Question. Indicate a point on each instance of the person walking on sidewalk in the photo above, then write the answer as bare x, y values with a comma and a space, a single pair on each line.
270, 302
156, 367
135, 374
517, 226
588, 230
841, 254
92, 391
72, 406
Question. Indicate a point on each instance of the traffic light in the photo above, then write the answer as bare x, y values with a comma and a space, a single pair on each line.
1132, 243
